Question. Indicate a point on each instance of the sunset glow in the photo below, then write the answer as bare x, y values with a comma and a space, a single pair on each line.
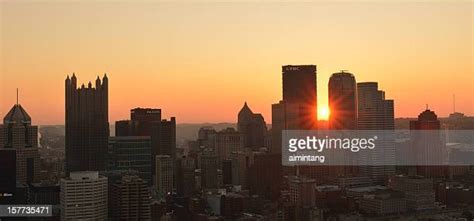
203, 66
323, 113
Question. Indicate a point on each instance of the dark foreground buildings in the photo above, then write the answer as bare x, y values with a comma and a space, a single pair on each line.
87, 125
148, 122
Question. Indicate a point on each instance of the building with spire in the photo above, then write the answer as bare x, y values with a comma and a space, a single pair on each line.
253, 127
87, 125
19, 135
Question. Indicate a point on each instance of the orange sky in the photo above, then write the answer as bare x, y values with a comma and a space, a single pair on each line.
200, 60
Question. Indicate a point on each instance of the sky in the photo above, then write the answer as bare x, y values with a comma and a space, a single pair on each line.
201, 60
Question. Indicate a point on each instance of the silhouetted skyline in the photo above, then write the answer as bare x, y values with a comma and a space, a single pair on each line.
223, 54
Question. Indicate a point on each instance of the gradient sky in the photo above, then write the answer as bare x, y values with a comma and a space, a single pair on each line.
200, 60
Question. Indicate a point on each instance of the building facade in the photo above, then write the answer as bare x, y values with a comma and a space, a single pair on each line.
164, 177
87, 125
19, 135
376, 113
131, 199
253, 127
84, 196
342, 101
131, 153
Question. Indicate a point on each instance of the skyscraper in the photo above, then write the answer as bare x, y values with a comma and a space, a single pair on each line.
185, 184
343, 105
164, 181
131, 153
253, 127
299, 87
298, 108
84, 196
426, 145
19, 135
376, 113
87, 125
148, 122
342, 101
131, 199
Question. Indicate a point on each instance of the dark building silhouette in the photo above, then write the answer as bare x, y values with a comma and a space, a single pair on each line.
426, 145
87, 125
131, 153
376, 113
343, 106
148, 122
186, 179
131, 199
265, 175
342, 101
427, 120
253, 127
299, 87
298, 109
19, 135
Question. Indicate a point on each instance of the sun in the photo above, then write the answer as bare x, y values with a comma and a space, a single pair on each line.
323, 113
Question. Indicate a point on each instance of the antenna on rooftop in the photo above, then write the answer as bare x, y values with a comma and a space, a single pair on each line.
16, 96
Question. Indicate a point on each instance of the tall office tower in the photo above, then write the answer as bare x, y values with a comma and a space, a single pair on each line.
299, 87
227, 141
87, 125
168, 138
208, 163
342, 101
343, 105
148, 122
298, 108
253, 127
186, 179
131, 199
131, 153
377, 113
164, 181
84, 196
426, 145
19, 135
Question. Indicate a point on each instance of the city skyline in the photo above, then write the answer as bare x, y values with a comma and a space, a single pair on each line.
422, 57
